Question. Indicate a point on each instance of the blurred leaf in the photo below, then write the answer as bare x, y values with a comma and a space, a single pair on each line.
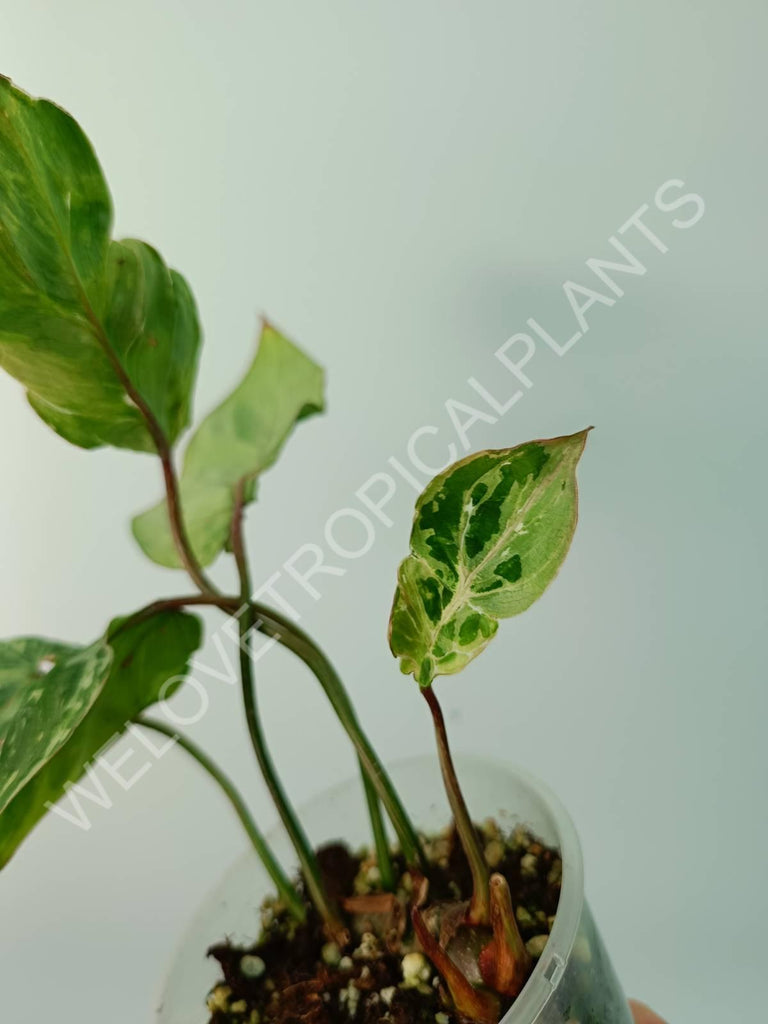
489, 536
236, 442
77, 309
50, 688
23, 661
69, 703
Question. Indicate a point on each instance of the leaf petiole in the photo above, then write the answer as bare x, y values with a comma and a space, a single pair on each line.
287, 892
291, 636
229, 604
309, 865
247, 620
381, 843
480, 908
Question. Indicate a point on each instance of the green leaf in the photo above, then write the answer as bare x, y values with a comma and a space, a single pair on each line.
236, 442
489, 536
50, 688
88, 325
68, 703
27, 659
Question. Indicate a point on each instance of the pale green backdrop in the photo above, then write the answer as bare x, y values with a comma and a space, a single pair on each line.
400, 186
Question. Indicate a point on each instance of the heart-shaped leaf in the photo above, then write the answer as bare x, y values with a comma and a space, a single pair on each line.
88, 325
235, 443
67, 703
489, 535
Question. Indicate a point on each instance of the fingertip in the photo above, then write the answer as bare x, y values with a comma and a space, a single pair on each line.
643, 1014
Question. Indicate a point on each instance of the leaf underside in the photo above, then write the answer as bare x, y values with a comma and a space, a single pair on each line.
236, 442
83, 317
489, 535
68, 703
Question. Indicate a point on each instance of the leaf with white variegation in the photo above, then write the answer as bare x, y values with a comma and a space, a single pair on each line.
91, 327
234, 445
62, 705
23, 662
489, 535
49, 687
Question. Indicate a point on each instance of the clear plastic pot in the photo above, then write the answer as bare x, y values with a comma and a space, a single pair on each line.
573, 980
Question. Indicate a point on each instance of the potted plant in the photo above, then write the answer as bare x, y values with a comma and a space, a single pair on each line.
459, 919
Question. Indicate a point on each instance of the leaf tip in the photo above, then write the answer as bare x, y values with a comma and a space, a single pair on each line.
575, 442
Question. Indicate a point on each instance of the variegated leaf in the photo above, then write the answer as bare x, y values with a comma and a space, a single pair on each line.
65, 704
236, 442
83, 318
51, 687
489, 535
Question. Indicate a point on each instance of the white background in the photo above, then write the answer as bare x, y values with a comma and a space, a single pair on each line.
400, 186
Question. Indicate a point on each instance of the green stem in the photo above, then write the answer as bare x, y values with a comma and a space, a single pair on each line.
479, 910
175, 517
380, 840
165, 453
287, 892
169, 604
287, 633
290, 636
307, 859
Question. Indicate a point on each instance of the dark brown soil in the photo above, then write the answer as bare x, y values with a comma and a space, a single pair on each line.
293, 975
